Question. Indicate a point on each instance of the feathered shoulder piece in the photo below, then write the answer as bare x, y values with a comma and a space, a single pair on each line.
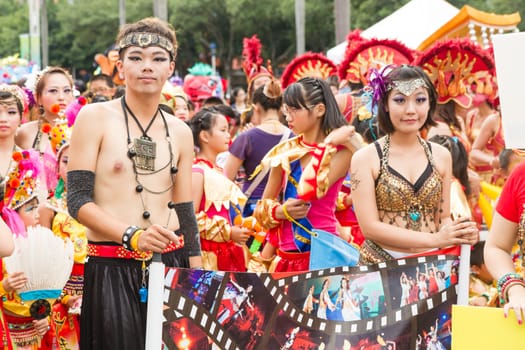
372, 53
252, 62
284, 153
308, 65
455, 64
219, 190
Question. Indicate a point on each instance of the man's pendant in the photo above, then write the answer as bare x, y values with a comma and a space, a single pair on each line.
146, 150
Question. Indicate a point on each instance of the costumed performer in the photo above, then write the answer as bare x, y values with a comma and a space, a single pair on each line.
401, 183
256, 76
20, 211
128, 182
217, 199
308, 171
12, 103
53, 91
249, 148
65, 311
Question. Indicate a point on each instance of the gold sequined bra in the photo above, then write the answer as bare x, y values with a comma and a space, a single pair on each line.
401, 202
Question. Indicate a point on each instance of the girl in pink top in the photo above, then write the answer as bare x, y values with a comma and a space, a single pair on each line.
307, 172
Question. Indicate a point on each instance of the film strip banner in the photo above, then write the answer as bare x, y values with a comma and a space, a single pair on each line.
402, 304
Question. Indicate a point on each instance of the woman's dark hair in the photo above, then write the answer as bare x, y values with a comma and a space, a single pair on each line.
404, 73
165, 108
476, 254
234, 118
447, 113
368, 128
203, 120
459, 158
269, 96
308, 92
234, 94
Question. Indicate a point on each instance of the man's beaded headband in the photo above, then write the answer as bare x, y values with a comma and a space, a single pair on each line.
145, 39
407, 87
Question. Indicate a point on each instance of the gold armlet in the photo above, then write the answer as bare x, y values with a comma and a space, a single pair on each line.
265, 213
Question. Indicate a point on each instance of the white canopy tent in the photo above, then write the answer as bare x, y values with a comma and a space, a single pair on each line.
410, 24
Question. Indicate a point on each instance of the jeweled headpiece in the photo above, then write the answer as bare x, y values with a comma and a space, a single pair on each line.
33, 83
406, 87
17, 92
23, 179
314, 65
146, 39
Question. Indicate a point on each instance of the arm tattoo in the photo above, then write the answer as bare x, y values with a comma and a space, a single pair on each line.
354, 181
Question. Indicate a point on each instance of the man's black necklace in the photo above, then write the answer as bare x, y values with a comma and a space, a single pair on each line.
144, 146
133, 155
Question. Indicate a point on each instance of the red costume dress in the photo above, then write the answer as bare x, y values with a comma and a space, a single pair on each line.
215, 214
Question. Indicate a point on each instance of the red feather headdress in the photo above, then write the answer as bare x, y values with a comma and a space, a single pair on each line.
308, 65
252, 60
372, 53
456, 64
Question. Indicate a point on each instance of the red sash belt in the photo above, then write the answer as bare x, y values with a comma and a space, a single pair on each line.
212, 246
293, 255
119, 252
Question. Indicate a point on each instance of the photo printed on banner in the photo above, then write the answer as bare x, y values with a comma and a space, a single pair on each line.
412, 283
434, 329
184, 333
395, 337
200, 285
344, 297
350, 308
287, 334
245, 308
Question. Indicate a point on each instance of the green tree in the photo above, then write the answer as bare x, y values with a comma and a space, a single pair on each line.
78, 30
15, 21
365, 13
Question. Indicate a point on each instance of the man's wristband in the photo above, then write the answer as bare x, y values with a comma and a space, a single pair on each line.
134, 242
127, 236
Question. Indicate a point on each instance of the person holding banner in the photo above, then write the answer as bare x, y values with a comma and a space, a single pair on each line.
129, 183
307, 171
508, 226
401, 183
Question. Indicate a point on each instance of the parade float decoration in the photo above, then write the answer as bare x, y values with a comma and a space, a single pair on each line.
14, 69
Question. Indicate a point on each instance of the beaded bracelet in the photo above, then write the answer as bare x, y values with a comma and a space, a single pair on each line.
126, 237
506, 287
505, 281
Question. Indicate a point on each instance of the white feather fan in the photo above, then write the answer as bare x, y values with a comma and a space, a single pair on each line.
45, 259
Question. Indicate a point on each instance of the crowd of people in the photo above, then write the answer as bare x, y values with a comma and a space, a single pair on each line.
393, 160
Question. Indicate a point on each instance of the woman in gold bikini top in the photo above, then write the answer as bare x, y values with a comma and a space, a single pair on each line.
404, 209
414, 206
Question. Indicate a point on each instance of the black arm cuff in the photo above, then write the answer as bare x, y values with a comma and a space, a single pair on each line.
188, 227
80, 188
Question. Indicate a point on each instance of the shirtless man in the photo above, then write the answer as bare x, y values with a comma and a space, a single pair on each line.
129, 183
